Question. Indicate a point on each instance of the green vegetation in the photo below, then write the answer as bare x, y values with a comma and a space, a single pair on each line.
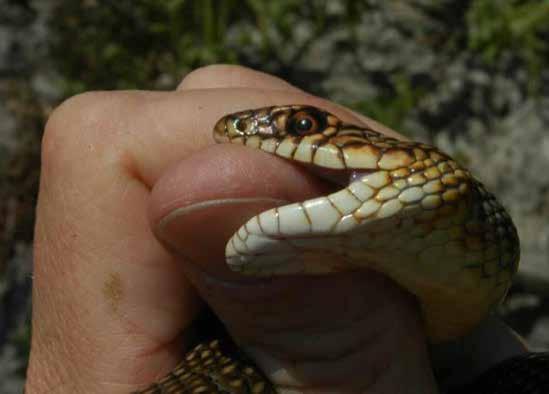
497, 28
149, 44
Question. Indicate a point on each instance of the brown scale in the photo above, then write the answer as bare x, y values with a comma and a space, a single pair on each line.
210, 368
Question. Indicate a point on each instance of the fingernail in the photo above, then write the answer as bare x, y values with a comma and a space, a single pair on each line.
199, 232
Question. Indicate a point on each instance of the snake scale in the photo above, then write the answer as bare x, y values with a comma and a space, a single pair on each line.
407, 210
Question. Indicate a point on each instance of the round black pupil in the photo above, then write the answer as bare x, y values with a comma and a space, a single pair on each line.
304, 124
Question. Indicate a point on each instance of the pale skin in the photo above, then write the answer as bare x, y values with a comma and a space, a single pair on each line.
135, 206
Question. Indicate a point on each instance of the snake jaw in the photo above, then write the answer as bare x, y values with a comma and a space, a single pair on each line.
401, 201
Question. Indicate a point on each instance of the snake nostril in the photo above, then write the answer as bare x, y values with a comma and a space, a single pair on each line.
240, 125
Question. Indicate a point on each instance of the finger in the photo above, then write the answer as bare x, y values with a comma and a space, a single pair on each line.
183, 121
251, 181
356, 320
229, 76
106, 293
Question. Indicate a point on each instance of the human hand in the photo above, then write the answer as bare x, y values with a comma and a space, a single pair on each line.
134, 211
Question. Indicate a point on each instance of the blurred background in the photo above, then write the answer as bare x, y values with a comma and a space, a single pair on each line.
469, 76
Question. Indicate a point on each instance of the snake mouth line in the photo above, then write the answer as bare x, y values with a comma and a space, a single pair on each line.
337, 178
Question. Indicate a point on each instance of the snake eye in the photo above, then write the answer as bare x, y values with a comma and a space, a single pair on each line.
306, 122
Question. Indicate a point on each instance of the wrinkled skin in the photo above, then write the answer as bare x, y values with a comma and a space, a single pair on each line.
134, 210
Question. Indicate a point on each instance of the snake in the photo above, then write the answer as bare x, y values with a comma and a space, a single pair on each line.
408, 211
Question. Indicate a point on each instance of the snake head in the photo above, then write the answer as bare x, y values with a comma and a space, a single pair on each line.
292, 121
407, 210
315, 137
301, 133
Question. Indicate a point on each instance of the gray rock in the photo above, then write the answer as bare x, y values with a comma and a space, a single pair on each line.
513, 163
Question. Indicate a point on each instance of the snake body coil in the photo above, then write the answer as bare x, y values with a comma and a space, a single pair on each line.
410, 212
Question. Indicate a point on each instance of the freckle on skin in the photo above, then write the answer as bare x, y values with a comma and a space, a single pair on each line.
112, 290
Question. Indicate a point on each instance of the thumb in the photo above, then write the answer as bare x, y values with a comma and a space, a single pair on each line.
339, 332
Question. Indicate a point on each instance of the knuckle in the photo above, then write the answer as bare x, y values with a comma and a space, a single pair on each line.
73, 123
